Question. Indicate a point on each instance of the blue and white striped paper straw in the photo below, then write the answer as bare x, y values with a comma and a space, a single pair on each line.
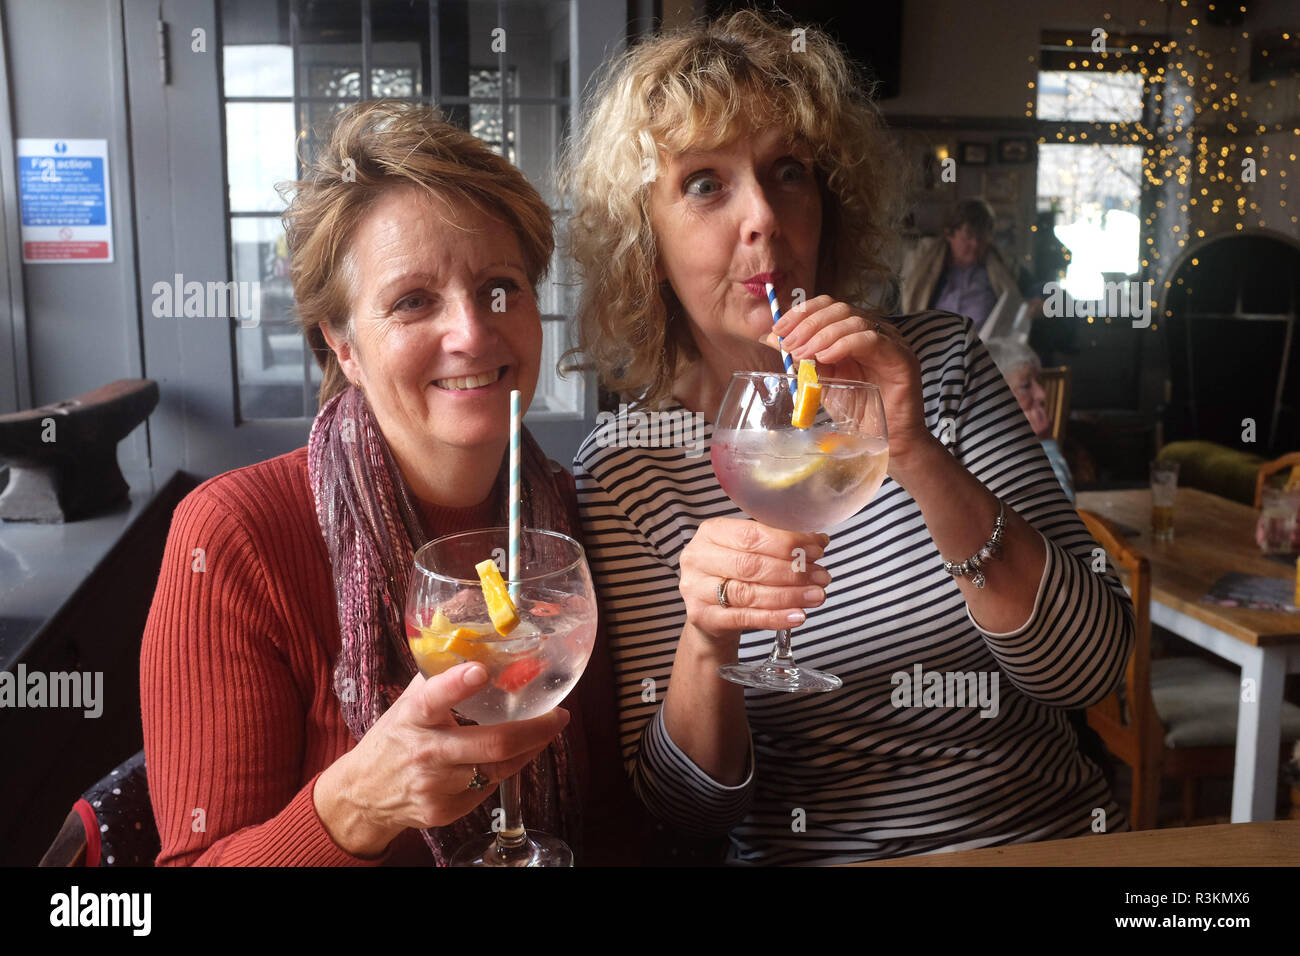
776, 317
512, 561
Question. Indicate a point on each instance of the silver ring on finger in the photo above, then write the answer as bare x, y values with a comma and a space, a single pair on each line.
722, 593
478, 781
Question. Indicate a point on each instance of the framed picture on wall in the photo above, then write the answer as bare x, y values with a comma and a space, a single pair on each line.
973, 154
1002, 186
932, 175
1017, 149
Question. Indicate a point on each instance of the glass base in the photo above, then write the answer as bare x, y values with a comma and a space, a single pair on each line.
767, 675
536, 849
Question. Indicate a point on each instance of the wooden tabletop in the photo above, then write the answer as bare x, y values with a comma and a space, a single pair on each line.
1212, 536
1275, 843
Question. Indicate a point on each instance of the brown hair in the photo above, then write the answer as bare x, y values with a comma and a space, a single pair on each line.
701, 87
377, 146
975, 213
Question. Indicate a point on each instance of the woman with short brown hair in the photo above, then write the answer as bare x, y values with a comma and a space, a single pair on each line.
284, 720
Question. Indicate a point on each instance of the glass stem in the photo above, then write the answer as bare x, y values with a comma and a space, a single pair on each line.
781, 655
512, 833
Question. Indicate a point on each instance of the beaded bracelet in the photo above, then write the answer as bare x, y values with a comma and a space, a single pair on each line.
973, 567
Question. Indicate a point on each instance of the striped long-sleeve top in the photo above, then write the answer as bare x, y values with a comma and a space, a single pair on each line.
944, 736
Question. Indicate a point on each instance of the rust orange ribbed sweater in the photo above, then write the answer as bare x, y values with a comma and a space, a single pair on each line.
235, 677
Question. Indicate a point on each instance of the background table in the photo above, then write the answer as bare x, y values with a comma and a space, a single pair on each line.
1213, 536
1275, 843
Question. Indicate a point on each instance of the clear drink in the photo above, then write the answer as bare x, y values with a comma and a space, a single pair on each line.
799, 479
530, 671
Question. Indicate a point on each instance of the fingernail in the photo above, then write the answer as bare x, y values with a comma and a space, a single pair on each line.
813, 596
821, 576
826, 539
797, 617
475, 675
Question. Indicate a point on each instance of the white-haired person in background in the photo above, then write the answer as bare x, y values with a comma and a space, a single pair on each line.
1021, 368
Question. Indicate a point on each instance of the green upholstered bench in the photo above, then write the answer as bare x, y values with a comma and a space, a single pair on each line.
1217, 469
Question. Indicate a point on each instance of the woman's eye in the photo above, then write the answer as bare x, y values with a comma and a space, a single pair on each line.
701, 185
412, 303
791, 171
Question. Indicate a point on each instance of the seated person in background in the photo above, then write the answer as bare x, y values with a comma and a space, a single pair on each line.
959, 271
1021, 368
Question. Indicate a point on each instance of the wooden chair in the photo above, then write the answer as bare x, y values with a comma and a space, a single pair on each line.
1056, 385
1270, 468
1163, 705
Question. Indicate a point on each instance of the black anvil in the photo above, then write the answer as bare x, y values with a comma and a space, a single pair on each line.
63, 457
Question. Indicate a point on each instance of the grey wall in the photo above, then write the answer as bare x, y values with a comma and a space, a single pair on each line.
68, 79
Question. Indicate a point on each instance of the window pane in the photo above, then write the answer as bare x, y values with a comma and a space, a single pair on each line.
1087, 97
536, 143
487, 120
469, 74
537, 38
1094, 191
329, 51
555, 393
259, 154
399, 54
258, 70
269, 355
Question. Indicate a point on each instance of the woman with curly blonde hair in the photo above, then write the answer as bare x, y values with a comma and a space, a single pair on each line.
715, 161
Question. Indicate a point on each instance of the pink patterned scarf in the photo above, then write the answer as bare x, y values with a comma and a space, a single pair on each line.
372, 530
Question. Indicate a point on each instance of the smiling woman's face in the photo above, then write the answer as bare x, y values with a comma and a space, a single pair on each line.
727, 220
445, 324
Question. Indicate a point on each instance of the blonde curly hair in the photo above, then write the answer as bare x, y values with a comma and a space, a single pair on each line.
699, 88
377, 146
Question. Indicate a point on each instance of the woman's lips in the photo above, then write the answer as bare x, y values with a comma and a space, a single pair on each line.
756, 285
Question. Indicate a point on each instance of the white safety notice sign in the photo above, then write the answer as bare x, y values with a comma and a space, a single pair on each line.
67, 213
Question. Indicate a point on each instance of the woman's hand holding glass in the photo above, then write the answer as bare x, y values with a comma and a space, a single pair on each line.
771, 577
414, 766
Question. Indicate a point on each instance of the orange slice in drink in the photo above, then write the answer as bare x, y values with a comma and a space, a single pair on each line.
440, 644
497, 596
808, 397
433, 663
462, 641
827, 443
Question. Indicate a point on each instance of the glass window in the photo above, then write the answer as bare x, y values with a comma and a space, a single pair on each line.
1090, 172
259, 69
1094, 192
1089, 96
252, 169
276, 374
499, 70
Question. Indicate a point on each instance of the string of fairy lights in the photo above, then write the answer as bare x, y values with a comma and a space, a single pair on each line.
1206, 120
